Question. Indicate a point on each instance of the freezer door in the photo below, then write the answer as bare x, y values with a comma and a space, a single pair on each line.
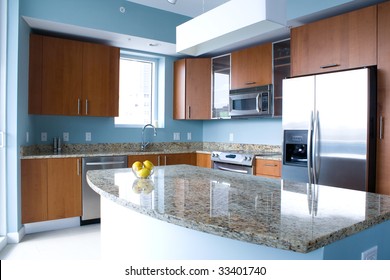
298, 102
341, 142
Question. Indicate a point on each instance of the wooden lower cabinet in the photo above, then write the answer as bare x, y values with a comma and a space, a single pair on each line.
268, 168
184, 158
63, 188
164, 159
203, 160
34, 190
133, 158
51, 189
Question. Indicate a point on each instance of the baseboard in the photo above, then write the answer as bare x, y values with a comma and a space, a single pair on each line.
52, 225
3, 242
16, 237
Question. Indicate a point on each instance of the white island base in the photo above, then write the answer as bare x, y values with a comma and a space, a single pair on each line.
130, 235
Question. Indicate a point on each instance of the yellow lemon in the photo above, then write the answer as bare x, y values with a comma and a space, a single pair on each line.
137, 165
148, 164
143, 173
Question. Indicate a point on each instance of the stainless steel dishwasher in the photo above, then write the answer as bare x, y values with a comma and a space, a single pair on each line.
91, 200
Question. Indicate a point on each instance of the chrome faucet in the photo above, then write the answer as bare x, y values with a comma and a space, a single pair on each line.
143, 143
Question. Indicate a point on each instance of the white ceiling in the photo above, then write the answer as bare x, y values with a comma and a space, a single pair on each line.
191, 8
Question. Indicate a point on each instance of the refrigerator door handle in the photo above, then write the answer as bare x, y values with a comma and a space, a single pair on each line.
315, 162
309, 149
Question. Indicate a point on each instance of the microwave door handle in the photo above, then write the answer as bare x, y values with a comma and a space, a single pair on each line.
258, 98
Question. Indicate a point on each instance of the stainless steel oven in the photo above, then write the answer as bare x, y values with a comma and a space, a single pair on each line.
236, 161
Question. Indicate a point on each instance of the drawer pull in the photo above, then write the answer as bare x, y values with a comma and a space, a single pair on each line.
329, 66
250, 83
381, 128
270, 165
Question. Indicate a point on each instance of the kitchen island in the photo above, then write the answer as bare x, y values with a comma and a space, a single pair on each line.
188, 212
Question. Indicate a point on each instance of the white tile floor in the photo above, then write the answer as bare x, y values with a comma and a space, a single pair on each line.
77, 243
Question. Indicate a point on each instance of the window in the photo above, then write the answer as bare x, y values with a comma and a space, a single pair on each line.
138, 91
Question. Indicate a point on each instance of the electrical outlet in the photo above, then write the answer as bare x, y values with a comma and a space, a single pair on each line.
43, 136
65, 136
370, 254
176, 136
189, 135
27, 137
88, 136
231, 137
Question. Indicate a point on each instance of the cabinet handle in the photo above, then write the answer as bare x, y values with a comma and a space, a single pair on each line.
189, 112
165, 160
158, 160
380, 127
78, 167
270, 165
78, 106
86, 106
329, 66
250, 83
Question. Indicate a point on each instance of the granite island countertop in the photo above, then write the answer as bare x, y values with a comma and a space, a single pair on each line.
270, 212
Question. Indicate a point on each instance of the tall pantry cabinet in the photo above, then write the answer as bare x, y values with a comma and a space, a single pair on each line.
383, 108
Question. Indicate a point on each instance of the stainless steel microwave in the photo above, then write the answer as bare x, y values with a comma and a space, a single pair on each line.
255, 101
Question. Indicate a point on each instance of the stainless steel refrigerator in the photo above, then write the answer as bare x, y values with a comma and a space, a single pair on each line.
329, 129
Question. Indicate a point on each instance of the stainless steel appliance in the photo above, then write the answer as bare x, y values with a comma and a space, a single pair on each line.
91, 200
329, 129
233, 161
255, 101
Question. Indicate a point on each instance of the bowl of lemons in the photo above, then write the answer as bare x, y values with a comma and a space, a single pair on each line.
143, 170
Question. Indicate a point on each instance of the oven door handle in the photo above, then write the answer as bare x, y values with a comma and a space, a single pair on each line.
233, 170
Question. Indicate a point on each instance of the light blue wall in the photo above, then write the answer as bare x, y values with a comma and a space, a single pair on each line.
247, 131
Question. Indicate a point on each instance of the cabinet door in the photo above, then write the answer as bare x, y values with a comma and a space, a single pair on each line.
61, 76
337, 43
251, 67
268, 168
64, 188
35, 75
203, 160
34, 190
192, 89
383, 104
100, 80
179, 90
182, 158
198, 89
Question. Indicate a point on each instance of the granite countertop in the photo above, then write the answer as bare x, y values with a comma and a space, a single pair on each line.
117, 149
270, 212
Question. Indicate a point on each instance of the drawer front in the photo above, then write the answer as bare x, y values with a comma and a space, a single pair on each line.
271, 168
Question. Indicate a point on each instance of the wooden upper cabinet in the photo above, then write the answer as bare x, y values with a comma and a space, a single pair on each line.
383, 102
337, 43
100, 80
251, 67
68, 77
192, 89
